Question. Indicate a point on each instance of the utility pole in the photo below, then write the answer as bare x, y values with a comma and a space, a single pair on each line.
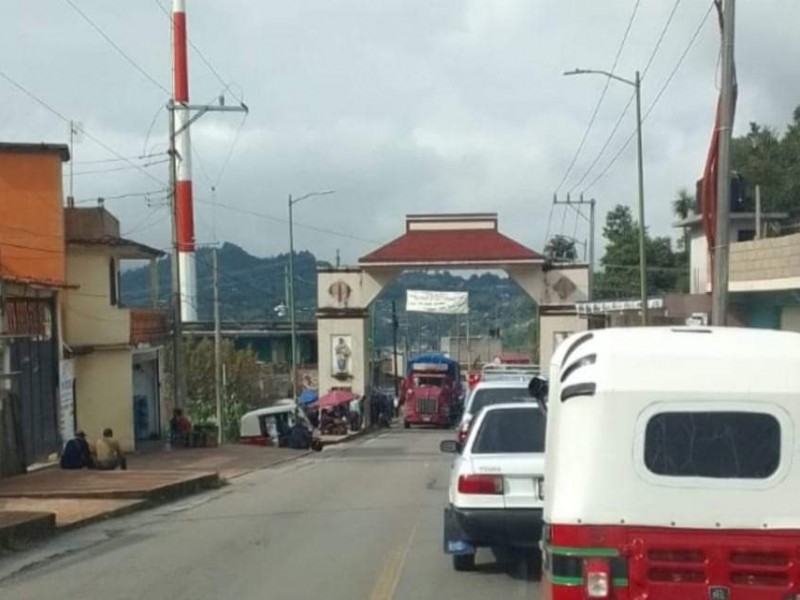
758, 212
71, 197
591, 203
640, 166
637, 85
181, 118
185, 114
178, 372
719, 299
395, 325
217, 350
292, 320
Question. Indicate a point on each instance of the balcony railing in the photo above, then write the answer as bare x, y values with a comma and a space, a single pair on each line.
148, 325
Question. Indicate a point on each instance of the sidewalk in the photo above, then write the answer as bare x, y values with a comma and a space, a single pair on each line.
38, 503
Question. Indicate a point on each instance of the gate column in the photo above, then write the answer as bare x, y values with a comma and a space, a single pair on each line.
343, 299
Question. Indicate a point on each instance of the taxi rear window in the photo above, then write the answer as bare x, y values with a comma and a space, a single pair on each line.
511, 431
719, 445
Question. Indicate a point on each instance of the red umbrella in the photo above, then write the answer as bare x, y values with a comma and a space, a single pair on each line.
333, 398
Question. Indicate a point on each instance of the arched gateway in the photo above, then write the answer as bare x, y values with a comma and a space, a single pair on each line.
445, 241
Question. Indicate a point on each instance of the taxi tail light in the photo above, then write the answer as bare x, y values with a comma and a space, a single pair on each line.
597, 578
480, 484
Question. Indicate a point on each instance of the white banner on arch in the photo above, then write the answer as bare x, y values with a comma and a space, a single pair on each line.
440, 303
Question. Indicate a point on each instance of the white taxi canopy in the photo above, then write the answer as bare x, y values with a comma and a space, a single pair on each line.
249, 424
622, 403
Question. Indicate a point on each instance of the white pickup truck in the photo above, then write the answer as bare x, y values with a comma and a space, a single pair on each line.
496, 488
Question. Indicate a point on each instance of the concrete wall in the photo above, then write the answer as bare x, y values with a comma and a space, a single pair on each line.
553, 329
699, 282
699, 268
32, 214
104, 394
329, 330
765, 265
89, 317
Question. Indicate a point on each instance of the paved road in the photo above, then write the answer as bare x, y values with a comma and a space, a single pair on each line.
358, 521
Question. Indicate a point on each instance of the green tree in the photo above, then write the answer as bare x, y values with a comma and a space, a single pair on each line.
560, 248
620, 263
683, 206
765, 157
242, 383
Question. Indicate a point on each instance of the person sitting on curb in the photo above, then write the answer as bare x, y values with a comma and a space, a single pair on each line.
108, 452
180, 427
77, 454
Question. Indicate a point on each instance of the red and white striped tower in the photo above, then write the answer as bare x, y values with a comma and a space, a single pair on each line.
184, 211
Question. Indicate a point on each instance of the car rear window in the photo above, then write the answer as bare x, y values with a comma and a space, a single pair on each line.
511, 431
489, 396
721, 445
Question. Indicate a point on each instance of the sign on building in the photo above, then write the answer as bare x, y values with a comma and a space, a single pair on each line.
66, 403
441, 303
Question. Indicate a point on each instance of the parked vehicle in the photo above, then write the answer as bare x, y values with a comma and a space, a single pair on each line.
495, 493
272, 426
430, 391
498, 384
672, 466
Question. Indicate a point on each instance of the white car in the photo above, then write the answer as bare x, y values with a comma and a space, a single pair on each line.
496, 488
487, 393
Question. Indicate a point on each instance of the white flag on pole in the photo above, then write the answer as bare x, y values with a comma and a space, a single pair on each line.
442, 303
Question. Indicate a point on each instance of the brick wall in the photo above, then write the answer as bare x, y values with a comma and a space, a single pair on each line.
771, 258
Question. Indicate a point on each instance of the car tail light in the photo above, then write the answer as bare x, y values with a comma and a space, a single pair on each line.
597, 577
480, 484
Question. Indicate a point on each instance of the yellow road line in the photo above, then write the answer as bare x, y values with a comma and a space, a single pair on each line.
392, 569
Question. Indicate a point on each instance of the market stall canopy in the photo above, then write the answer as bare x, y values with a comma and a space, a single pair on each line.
334, 399
308, 396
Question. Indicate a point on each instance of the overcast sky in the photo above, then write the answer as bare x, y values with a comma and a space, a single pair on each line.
400, 105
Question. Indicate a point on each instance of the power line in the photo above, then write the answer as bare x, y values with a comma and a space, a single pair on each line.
145, 223
117, 169
231, 149
113, 44
122, 196
602, 96
655, 100
60, 115
111, 160
286, 221
661, 37
627, 107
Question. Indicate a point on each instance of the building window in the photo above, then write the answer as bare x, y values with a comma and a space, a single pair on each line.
717, 445
745, 235
113, 282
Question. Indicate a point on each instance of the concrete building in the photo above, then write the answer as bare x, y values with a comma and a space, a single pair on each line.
32, 277
115, 351
742, 229
764, 282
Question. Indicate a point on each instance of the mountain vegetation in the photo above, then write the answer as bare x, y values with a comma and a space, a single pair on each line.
254, 289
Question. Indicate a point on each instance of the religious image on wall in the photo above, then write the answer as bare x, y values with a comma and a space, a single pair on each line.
560, 336
342, 349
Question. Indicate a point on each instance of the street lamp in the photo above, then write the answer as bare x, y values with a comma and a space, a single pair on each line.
293, 326
637, 85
